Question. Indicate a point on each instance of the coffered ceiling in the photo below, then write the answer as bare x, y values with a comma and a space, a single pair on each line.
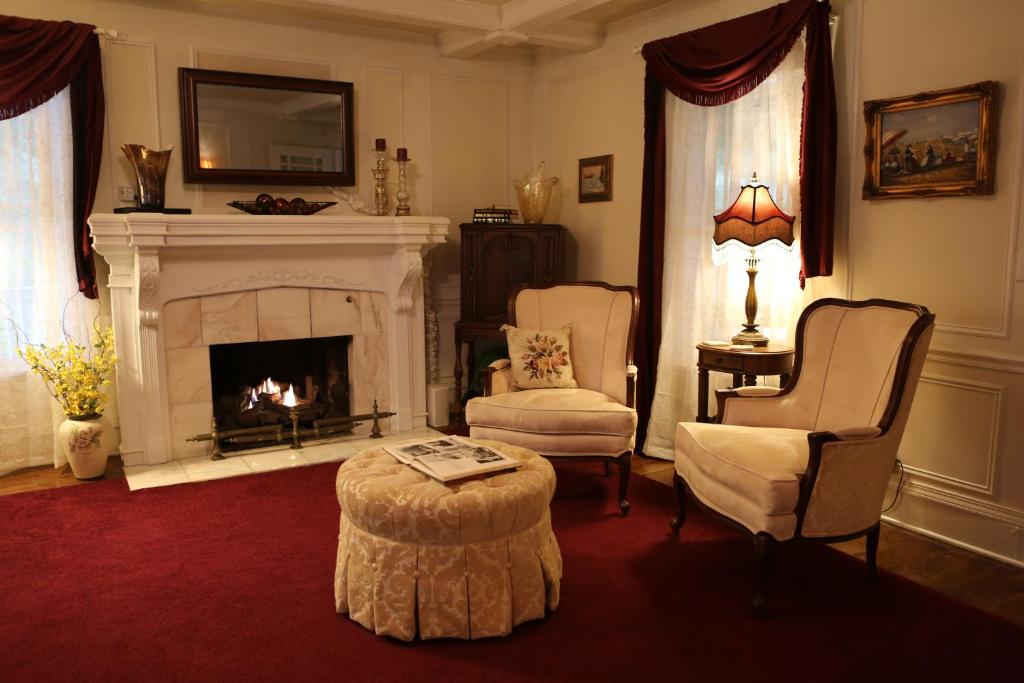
461, 29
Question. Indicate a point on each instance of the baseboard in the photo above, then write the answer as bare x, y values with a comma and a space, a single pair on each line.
979, 526
952, 541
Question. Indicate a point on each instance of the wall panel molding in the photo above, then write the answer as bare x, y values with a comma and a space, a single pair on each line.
398, 92
197, 51
856, 125
437, 146
145, 52
586, 73
1013, 226
985, 485
983, 360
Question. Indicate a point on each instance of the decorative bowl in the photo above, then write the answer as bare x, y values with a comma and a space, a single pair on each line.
266, 205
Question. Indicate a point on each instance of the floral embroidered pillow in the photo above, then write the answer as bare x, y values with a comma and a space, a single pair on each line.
540, 358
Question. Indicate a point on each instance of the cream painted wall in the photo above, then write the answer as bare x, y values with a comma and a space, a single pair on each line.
965, 442
964, 449
466, 123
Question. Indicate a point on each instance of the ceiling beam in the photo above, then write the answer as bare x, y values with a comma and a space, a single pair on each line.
438, 14
577, 36
461, 44
528, 15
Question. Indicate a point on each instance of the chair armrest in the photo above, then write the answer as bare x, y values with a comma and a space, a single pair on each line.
498, 377
631, 373
845, 482
758, 407
857, 433
757, 391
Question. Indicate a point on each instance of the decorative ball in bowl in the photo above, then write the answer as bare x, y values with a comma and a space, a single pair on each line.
267, 205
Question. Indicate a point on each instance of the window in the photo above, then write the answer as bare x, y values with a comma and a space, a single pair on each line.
38, 285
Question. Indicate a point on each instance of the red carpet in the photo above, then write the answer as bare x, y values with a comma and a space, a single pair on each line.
232, 580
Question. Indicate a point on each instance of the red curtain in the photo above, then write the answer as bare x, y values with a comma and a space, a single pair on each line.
713, 66
38, 59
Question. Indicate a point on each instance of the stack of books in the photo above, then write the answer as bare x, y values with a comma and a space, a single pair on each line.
494, 215
728, 345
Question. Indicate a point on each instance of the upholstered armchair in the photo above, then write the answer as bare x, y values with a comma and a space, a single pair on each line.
597, 420
812, 460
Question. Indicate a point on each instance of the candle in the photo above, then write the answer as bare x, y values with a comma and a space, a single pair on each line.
403, 154
380, 144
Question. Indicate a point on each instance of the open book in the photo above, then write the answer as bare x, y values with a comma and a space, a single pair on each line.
451, 457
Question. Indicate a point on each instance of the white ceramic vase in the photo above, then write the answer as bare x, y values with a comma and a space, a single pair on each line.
86, 443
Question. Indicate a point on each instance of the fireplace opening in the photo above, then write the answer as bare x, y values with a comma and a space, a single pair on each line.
259, 384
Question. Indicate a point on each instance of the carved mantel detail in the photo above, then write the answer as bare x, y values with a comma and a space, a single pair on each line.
273, 277
149, 287
409, 275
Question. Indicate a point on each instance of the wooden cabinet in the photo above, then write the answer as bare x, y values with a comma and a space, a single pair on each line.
495, 260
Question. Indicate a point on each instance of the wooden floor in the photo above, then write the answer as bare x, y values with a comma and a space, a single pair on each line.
993, 586
996, 587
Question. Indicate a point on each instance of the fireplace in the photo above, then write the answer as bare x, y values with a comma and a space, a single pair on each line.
183, 285
253, 383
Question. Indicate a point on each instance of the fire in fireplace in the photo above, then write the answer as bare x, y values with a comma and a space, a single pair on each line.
258, 384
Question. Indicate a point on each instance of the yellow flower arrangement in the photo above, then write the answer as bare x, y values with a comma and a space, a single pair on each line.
72, 373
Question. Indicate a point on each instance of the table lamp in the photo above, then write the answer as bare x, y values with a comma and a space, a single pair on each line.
753, 220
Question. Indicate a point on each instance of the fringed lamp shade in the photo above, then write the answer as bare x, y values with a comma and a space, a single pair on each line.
754, 219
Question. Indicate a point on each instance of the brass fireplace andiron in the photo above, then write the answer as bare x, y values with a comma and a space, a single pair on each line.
270, 434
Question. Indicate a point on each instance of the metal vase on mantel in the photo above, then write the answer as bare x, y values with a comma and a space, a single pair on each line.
150, 167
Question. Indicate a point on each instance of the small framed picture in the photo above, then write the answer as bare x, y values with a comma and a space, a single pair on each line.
596, 179
931, 144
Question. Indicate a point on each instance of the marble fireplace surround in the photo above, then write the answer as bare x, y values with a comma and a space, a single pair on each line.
249, 278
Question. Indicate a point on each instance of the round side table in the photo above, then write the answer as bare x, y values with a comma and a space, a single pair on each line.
744, 365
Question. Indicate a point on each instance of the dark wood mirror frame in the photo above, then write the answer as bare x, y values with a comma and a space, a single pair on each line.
188, 79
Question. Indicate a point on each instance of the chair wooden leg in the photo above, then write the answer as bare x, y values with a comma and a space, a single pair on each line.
872, 552
680, 519
625, 462
607, 468
763, 545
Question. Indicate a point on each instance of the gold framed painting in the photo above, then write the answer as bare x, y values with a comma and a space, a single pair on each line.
595, 184
931, 144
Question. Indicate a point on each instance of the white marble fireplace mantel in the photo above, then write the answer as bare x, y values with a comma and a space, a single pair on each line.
157, 258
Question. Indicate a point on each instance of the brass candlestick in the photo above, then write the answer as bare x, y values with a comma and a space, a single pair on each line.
402, 196
380, 176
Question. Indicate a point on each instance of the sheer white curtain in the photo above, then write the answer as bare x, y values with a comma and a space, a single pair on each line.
710, 151
37, 278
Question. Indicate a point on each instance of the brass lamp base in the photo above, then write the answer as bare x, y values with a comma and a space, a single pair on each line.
752, 337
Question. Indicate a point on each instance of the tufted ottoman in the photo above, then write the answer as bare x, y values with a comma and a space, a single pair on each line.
468, 559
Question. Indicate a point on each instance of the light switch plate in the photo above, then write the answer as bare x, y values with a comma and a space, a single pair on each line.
126, 193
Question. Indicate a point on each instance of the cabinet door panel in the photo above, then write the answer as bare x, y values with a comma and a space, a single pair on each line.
507, 261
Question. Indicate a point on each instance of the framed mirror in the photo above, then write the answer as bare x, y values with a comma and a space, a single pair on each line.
267, 130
